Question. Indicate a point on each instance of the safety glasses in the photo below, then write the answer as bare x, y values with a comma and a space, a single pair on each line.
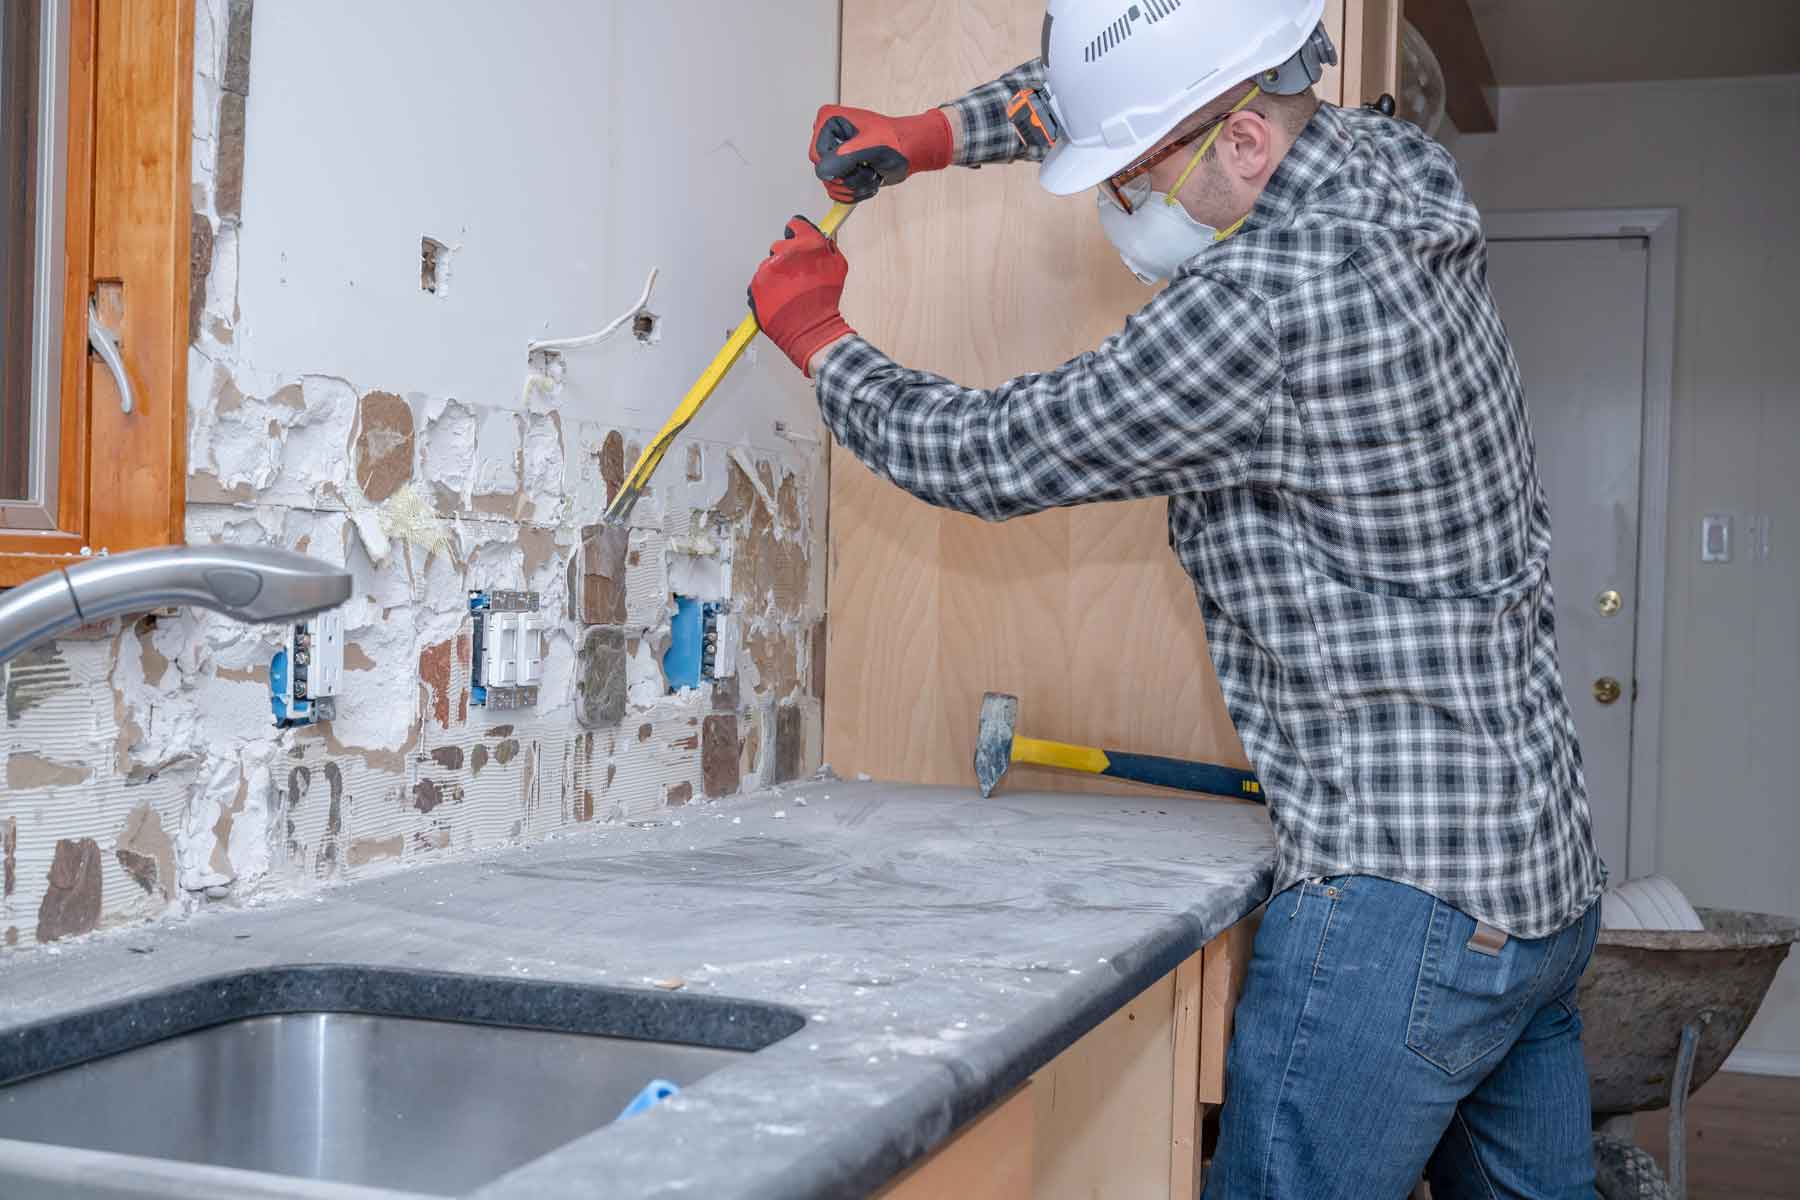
1131, 187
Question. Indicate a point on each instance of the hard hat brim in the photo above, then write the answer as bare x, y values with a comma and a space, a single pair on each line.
1069, 168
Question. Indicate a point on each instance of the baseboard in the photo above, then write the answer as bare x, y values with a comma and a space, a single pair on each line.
1764, 1062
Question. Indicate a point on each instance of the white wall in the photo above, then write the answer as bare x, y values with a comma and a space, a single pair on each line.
564, 147
1727, 154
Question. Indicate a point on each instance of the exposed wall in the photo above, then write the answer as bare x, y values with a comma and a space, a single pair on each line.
1724, 153
555, 153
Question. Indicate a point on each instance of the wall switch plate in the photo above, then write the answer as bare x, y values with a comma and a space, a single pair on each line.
1758, 537
508, 662
1715, 538
307, 674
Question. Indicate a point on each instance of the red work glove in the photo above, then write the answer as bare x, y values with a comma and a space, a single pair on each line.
794, 294
856, 151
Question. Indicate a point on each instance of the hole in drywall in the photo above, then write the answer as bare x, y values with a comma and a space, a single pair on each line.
434, 266
645, 327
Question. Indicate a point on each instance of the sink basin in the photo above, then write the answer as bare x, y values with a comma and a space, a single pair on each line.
409, 1080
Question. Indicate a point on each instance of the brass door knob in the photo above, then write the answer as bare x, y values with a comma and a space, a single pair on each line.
1609, 602
1607, 689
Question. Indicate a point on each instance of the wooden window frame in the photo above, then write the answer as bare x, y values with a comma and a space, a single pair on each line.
121, 477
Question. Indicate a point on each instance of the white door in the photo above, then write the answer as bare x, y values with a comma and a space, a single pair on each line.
1575, 310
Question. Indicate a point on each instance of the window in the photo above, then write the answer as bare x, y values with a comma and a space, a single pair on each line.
33, 37
95, 104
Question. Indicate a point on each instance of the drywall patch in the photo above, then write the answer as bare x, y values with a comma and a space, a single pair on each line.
26, 770
383, 450
146, 853
71, 905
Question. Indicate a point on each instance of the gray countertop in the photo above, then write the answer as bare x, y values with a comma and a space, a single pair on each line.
942, 948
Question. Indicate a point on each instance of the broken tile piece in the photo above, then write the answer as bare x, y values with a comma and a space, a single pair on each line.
602, 590
719, 762
789, 744
601, 678
71, 905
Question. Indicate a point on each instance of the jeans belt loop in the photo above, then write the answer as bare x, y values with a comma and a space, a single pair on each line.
1487, 940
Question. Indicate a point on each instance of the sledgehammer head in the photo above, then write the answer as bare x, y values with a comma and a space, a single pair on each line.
994, 739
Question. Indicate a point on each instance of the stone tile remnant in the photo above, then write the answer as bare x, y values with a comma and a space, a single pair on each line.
790, 744
719, 764
384, 445
680, 794
72, 904
612, 463
9, 848
506, 751
200, 260
366, 850
600, 678
725, 694
26, 770
237, 47
602, 590
434, 669
228, 176
427, 795
448, 757
146, 852
818, 659
478, 758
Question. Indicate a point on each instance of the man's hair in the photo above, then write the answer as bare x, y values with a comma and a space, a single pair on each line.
1287, 113
1291, 113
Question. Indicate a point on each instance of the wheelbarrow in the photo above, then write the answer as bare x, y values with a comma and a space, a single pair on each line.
1660, 1011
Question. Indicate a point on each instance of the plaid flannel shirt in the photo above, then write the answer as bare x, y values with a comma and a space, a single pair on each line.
1331, 406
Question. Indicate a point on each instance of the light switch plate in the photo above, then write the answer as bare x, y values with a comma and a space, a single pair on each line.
1715, 538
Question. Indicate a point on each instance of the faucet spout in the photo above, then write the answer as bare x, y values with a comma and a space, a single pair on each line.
246, 583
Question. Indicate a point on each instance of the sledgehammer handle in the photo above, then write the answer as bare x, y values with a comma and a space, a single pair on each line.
1210, 778
1153, 769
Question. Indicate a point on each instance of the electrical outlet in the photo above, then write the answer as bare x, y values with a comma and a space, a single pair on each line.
508, 660
307, 675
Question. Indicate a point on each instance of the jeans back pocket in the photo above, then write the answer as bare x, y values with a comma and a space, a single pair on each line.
1468, 1003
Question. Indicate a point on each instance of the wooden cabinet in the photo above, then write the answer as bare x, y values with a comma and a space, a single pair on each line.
1118, 1113
981, 275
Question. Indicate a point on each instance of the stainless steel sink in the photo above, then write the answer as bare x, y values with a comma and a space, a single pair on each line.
412, 1102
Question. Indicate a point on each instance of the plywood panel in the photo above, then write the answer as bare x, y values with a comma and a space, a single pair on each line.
1184, 1100
1224, 963
981, 275
1104, 1106
991, 1159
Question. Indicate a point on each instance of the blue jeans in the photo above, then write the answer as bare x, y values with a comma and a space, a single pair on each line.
1375, 1045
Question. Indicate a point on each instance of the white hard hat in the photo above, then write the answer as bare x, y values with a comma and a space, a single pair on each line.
1122, 73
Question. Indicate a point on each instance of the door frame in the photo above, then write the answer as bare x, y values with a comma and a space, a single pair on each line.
1661, 228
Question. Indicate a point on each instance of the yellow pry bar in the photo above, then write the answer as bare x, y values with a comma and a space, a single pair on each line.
1039, 753
735, 345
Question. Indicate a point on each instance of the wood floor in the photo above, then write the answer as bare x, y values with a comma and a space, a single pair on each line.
1743, 1138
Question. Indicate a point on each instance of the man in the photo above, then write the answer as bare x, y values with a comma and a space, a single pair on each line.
1326, 395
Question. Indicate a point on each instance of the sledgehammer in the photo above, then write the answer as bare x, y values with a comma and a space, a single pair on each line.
997, 747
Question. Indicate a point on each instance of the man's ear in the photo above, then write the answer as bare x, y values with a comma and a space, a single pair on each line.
1248, 142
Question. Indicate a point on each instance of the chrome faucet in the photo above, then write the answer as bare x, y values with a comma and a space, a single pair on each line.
246, 583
